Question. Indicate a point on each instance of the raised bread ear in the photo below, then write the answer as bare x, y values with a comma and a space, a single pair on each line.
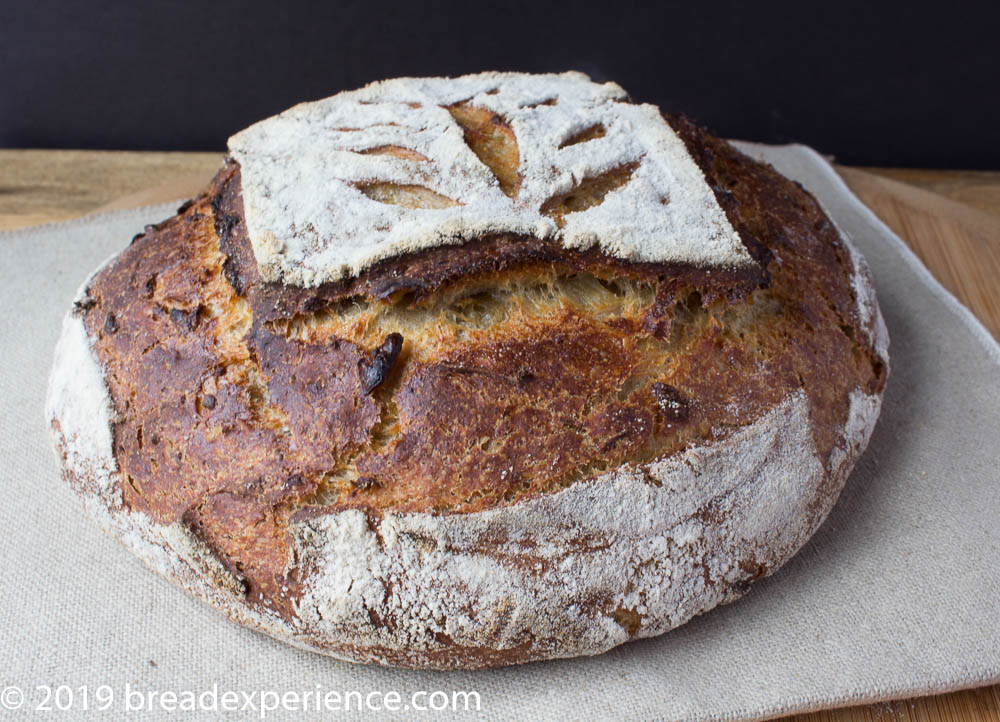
332, 187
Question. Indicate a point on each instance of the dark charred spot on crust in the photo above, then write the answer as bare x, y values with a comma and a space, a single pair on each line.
208, 401
218, 201
187, 320
363, 483
224, 225
110, 325
233, 277
671, 403
878, 376
295, 481
225, 222
374, 370
84, 304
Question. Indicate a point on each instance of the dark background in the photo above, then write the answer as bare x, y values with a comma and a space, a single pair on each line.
872, 83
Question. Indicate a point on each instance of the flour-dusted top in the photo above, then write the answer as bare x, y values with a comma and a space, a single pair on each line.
331, 187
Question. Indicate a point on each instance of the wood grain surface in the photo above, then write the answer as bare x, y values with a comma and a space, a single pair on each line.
951, 219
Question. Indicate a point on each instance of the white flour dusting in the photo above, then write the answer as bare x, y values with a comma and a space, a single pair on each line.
309, 223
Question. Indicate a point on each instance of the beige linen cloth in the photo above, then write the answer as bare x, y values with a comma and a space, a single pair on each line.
897, 595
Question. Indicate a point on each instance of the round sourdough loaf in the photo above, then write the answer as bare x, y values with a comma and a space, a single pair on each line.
469, 372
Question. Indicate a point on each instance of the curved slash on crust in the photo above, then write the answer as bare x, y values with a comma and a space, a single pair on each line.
491, 138
407, 196
587, 193
591, 132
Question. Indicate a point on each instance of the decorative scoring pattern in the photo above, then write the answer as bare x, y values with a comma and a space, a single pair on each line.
333, 186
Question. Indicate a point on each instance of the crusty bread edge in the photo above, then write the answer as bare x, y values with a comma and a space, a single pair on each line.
633, 553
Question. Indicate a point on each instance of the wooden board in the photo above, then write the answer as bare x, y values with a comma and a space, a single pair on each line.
40, 186
959, 242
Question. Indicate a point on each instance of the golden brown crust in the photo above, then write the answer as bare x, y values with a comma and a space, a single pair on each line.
245, 404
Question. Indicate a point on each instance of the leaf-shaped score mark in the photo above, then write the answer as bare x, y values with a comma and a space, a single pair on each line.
592, 132
407, 196
395, 150
587, 193
492, 140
